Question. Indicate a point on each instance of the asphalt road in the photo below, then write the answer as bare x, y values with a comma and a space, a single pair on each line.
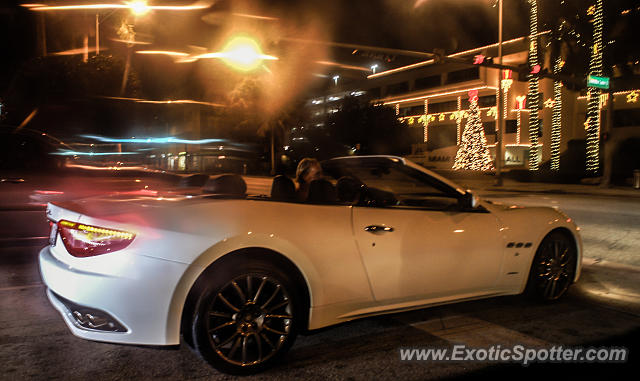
610, 226
603, 309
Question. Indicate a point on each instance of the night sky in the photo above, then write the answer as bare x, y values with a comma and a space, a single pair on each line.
419, 25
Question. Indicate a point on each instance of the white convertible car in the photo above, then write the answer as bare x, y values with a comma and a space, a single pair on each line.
240, 275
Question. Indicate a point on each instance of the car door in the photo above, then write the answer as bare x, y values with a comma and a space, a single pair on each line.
415, 239
424, 253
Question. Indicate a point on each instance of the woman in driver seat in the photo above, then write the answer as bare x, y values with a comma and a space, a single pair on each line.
309, 169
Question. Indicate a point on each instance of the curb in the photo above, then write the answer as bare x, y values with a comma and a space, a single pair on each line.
559, 191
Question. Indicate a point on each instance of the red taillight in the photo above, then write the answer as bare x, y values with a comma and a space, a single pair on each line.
82, 240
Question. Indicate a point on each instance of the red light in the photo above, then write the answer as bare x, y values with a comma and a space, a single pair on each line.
82, 240
478, 59
507, 74
535, 69
48, 192
142, 192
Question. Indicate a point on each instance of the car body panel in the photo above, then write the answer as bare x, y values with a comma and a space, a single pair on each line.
429, 253
434, 257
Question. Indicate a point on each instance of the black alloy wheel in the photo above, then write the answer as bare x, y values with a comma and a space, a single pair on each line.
553, 267
246, 322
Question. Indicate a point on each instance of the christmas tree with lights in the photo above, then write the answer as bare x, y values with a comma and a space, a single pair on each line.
473, 153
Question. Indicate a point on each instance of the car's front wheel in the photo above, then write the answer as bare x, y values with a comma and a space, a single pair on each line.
246, 318
553, 267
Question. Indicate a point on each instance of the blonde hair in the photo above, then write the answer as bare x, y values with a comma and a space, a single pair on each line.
303, 168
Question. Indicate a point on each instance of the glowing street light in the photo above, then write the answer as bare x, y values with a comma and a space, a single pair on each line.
373, 68
139, 7
241, 53
335, 79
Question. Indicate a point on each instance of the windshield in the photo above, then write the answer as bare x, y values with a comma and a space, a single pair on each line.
388, 175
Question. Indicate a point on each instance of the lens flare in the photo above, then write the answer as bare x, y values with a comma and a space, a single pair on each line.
139, 7
243, 53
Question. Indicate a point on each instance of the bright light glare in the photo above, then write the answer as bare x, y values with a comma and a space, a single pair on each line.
163, 52
241, 53
139, 7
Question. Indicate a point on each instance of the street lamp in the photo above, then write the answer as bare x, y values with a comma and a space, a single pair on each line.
242, 53
139, 7
499, 104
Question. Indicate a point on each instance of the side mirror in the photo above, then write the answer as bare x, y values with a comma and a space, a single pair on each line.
468, 200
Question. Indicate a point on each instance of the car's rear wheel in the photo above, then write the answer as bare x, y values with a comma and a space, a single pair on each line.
246, 318
553, 267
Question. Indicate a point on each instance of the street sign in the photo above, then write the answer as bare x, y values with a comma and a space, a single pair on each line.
599, 82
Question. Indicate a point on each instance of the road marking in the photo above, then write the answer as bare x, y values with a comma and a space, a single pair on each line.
475, 332
21, 287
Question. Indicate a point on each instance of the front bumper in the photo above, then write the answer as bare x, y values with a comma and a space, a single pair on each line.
138, 298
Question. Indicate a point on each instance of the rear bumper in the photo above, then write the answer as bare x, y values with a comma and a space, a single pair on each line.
138, 303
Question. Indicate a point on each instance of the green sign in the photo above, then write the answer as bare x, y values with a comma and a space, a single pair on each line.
599, 82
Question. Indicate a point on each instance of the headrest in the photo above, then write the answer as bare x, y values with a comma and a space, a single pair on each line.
348, 189
321, 191
283, 189
227, 185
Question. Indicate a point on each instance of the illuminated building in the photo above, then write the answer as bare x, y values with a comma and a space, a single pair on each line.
431, 100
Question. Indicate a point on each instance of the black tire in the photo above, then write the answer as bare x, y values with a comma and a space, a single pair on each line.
247, 317
553, 268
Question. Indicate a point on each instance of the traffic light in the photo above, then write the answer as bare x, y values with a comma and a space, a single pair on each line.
525, 72
480, 59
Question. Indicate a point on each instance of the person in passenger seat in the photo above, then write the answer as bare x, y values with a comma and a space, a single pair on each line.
309, 169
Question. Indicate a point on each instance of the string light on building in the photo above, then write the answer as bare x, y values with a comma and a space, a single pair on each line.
507, 81
426, 120
593, 98
556, 118
518, 121
397, 108
473, 153
458, 121
603, 100
549, 103
632, 97
534, 122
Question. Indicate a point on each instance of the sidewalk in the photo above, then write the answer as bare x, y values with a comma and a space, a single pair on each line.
485, 183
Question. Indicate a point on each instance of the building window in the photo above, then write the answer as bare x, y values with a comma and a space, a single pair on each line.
442, 136
398, 88
626, 118
463, 75
489, 128
435, 108
374, 93
411, 111
427, 82
511, 126
487, 101
540, 125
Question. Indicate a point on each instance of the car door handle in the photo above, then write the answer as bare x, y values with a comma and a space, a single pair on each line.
376, 229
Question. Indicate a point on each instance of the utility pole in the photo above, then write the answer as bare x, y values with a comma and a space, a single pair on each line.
42, 35
499, 104
97, 34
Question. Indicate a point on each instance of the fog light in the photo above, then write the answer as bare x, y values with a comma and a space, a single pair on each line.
90, 318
